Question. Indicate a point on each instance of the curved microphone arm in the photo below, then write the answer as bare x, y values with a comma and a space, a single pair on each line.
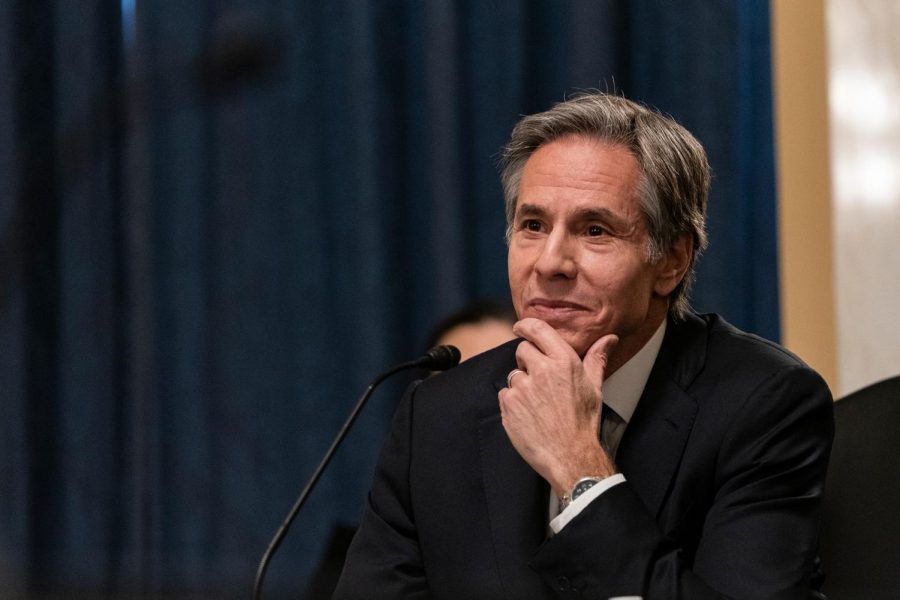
439, 358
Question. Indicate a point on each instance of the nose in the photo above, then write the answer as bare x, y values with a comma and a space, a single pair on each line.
558, 256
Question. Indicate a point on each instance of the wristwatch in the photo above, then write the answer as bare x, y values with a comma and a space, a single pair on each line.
580, 487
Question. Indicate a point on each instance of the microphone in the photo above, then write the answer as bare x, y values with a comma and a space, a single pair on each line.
439, 358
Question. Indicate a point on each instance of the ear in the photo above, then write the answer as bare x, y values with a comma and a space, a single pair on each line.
671, 269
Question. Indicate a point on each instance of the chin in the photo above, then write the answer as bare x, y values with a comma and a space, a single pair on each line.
578, 341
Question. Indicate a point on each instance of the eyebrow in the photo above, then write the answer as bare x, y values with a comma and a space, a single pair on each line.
530, 209
581, 214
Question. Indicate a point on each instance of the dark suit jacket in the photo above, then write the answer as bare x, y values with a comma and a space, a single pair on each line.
725, 460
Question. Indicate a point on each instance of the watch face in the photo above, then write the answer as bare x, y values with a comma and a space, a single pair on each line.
583, 486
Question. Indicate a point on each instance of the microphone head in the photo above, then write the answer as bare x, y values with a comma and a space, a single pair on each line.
441, 358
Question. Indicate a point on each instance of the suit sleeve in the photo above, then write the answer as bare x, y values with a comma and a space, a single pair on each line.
384, 560
759, 536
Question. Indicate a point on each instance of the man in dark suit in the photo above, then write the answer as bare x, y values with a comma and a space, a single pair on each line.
624, 447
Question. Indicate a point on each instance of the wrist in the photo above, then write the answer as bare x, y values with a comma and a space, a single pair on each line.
596, 465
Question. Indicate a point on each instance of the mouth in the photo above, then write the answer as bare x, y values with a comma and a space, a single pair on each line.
549, 310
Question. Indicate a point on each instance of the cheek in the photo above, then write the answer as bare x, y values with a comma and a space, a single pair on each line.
517, 269
516, 287
512, 275
621, 283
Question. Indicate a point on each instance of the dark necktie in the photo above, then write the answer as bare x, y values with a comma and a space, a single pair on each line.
611, 429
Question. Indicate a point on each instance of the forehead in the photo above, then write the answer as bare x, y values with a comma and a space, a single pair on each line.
579, 172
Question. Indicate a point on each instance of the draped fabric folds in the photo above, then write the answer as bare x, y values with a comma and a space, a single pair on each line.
218, 222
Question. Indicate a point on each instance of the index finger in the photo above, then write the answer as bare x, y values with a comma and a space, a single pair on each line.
544, 337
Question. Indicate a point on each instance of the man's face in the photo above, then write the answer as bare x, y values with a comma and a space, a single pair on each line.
578, 253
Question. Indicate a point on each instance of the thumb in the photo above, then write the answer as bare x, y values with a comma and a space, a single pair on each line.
597, 357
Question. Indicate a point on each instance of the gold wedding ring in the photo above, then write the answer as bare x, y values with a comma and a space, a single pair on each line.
512, 374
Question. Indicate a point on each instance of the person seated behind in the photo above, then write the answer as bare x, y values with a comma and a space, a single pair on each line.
475, 328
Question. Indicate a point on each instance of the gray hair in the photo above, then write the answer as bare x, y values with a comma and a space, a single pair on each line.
674, 181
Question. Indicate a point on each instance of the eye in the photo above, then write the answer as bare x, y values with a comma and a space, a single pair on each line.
595, 230
531, 225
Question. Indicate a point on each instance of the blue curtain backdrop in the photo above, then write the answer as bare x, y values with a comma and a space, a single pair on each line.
215, 229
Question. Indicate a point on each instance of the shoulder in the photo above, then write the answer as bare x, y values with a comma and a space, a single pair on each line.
714, 359
703, 343
751, 396
723, 335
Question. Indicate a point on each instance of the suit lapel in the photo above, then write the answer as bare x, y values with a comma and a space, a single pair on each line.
653, 444
651, 448
516, 499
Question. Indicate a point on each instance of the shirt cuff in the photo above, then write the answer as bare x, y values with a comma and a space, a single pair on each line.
577, 505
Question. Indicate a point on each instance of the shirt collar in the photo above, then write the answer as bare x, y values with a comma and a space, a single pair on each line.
622, 390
